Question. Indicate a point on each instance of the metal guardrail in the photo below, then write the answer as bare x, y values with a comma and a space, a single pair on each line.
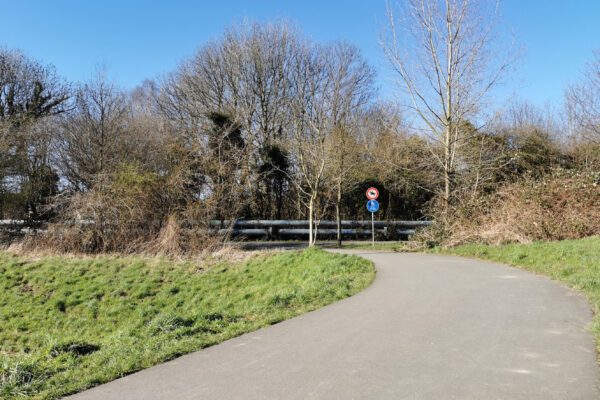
283, 222
275, 229
5, 222
15, 226
289, 229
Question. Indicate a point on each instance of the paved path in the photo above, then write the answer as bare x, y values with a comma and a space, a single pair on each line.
430, 327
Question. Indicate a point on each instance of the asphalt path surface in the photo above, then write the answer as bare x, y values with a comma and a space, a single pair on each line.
429, 327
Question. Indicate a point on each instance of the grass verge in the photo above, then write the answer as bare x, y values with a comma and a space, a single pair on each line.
70, 324
397, 246
575, 262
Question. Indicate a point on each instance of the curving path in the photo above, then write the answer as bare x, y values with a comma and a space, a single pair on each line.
430, 327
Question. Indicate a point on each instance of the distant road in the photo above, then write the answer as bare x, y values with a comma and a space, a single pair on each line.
430, 327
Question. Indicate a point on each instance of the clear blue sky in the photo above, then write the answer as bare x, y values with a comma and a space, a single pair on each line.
143, 39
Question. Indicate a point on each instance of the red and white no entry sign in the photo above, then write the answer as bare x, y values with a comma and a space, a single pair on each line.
372, 193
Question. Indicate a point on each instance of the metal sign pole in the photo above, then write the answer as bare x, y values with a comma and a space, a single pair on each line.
373, 229
372, 205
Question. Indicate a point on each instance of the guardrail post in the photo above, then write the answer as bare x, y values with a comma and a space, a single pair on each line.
274, 231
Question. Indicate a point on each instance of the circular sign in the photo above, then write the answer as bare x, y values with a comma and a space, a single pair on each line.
373, 206
372, 193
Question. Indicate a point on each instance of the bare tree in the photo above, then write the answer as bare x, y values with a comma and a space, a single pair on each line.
283, 94
345, 167
308, 108
243, 75
329, 85
267, 52
351, 90
583, 102
30, 94
28, 89
92, 134
440, 50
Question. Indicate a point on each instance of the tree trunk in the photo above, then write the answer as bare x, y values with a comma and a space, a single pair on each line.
279, 197
311, 208
447, 167
447, 188
476, 186
338, 218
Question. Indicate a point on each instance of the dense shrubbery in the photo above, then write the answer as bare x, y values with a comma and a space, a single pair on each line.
130, 211
564, 204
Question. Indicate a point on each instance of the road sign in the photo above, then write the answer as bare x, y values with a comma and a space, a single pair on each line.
373, 206
372, 193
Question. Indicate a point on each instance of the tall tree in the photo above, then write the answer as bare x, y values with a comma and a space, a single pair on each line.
30, 93
244, 75
441, 52
583, 102
92, 136
345, 167
351, 90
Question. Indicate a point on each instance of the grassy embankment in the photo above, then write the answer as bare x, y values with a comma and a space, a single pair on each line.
575, 262
67, 324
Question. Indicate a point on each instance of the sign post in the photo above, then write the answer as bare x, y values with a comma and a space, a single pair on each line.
373, 228
373, 206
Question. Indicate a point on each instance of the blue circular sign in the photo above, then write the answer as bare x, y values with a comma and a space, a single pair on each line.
373, 206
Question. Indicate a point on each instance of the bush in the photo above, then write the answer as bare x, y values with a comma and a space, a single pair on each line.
561, 205
129, 211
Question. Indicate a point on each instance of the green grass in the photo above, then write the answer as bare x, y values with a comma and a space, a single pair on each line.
69, 324
575, 262
399, 247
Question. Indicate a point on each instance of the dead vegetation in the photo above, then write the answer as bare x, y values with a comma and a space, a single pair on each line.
130, 212
561, 205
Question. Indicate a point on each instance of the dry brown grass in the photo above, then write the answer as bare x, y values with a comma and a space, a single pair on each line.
205, 258
130, 212
561, 205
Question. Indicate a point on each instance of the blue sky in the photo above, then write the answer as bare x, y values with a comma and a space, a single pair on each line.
144, 39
